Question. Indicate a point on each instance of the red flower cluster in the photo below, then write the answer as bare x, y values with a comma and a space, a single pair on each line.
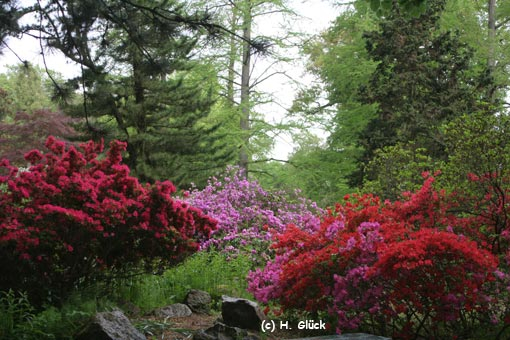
74, 218
407, 269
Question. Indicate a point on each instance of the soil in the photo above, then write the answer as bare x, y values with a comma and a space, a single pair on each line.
183, 328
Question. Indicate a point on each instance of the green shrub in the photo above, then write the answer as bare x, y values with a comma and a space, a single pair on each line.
15, 311
210, 271
19, 321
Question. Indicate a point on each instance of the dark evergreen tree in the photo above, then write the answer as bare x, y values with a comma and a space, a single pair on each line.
9, 15
425, 77
139, 83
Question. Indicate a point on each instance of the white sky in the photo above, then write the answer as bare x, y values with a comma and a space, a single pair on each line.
315, 16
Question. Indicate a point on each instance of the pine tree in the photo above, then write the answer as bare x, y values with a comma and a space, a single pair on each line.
9, 15
139, 82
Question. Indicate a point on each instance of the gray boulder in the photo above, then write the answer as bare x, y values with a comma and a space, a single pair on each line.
353, 336
198, 301
176, 310
112, 325
242, 313
221, 331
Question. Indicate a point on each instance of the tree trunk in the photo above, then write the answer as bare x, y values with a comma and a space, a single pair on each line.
245, 90
232, 59
491, 58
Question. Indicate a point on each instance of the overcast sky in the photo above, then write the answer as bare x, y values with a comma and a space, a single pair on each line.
314, 16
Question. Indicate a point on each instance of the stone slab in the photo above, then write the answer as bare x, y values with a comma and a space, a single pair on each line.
354, 336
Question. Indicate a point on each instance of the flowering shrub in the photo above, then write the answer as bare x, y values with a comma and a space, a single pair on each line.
248, 215
73, 219
405, 269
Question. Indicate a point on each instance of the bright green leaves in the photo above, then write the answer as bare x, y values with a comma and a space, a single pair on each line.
412, 8
503, 10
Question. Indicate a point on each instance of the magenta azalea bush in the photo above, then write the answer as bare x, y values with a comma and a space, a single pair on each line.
248, 215
73, 218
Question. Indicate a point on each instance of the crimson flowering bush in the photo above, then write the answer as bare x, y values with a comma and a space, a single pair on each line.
74, 219
248, 215
408, 269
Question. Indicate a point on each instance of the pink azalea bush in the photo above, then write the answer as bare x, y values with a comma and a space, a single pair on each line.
248, 215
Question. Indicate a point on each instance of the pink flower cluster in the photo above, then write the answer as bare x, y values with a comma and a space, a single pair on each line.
248, 215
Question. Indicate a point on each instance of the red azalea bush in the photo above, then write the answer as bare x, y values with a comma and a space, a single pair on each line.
74, 219
407, 269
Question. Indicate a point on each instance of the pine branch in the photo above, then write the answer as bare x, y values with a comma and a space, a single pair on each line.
204, 22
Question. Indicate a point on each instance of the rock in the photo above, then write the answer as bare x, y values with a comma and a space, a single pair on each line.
362, 336
198, 301
242, 313
221, 331
112, 325
353, 336
176, 310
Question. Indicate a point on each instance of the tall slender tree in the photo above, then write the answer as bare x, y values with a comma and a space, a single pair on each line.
247, 18
243, 74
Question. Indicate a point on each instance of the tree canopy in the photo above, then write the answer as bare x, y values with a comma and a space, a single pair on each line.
176, 81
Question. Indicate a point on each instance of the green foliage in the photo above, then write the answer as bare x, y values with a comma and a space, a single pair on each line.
397, 78
421, 81
211, 271
503, 10
341, 61
409, 7
339, 56
477, 144
396, 169
142, 86
28, 88
20, 320
152, 327
318, 172
14, 310
9, 16
5, 102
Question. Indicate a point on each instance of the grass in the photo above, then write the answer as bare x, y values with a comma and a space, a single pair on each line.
19, 320
212, 272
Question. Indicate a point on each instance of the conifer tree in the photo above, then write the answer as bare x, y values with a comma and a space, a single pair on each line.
138, 82
424, 78
9, 15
